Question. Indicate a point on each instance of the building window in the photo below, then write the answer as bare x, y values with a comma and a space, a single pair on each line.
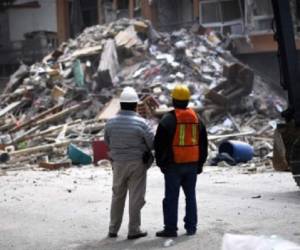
262, 15
210, 13
224, 16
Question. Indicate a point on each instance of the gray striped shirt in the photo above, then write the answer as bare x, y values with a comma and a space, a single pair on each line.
128, 136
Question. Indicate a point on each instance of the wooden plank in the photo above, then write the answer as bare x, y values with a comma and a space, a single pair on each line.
62, 133
23, 136
43, 148
17, 92
110, 110
89, 126
235, 124
249, 122
264, 129
62, 114
7, 126
55, 165
215, 137
36, 118
9, 108
43, 133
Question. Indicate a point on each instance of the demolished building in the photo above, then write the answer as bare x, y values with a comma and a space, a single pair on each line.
246, 22
66, 98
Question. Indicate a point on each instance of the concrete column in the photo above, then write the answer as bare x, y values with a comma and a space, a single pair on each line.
131, 8
149, 11
63, 20
196, 8
115, 4
100, 12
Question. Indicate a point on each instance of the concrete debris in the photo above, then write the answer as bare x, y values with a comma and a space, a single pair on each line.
109, 64
66, 99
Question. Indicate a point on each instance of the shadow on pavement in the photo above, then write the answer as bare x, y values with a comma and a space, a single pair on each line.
124, 244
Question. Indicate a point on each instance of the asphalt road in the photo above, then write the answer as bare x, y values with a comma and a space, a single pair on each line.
70, 209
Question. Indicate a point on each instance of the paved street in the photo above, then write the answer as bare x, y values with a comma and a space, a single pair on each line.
70, 209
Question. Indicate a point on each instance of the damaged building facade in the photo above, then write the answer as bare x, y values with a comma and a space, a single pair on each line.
248, 26
30, 29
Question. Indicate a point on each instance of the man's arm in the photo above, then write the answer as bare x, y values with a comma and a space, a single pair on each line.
203, 146
160, 146
106, 134
149, 136
163, 140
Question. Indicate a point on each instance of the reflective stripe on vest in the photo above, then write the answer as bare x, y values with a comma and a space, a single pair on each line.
186, 137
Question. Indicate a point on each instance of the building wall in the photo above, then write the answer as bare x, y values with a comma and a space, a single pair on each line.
174, 14
26, 20
186, 11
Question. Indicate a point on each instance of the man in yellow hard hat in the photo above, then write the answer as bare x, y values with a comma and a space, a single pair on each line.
180, 150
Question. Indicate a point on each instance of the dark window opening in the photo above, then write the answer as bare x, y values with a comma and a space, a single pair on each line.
89, 12
123, 4
230, 11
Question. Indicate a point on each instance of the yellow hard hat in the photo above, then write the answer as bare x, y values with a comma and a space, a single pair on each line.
181, 92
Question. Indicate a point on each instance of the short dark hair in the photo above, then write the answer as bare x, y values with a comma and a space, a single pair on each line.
131, 106
180, 104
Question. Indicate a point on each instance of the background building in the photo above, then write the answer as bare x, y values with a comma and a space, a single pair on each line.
31, 29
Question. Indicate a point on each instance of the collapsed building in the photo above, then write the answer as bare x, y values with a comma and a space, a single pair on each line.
53, 106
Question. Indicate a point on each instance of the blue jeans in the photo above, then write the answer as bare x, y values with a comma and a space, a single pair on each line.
184, 176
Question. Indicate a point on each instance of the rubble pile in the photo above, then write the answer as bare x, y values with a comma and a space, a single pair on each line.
65, 99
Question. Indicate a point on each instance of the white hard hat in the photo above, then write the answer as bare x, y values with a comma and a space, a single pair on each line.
129, 95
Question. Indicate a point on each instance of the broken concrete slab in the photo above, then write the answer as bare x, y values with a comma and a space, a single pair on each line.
110, 110
109, 64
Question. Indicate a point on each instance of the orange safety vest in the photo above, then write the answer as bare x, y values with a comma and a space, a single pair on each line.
186, 138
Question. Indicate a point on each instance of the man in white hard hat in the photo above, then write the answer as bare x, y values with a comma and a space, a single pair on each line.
128, 137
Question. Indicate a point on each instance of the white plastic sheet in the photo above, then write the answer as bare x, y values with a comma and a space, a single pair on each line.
251, 242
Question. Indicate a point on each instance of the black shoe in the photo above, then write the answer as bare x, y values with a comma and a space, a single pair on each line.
112, 235
136, 236
165, 233
190, 233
